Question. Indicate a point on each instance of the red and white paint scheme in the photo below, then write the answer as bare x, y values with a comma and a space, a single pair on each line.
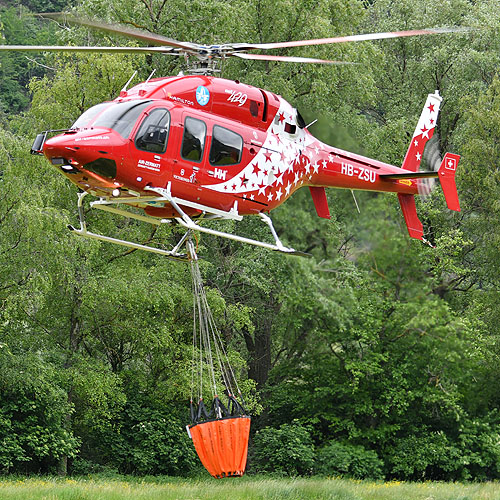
197, 147
190, 147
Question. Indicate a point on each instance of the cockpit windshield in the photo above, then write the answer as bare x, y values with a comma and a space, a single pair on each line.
119, 116
89, 115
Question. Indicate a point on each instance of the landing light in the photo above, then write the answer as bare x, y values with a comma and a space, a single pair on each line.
116, 192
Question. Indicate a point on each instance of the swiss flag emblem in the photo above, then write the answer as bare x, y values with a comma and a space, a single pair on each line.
451, 163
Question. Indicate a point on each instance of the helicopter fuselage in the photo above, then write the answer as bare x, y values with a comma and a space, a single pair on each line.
216, 143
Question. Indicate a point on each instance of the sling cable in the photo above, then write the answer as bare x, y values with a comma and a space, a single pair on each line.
220, 432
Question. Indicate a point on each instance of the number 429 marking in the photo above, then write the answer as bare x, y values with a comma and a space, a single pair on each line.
238, 97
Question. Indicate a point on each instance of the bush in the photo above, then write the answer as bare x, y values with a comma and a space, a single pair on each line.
152, 441
431, 456
33, 414
348, 460
287, 450
473, 453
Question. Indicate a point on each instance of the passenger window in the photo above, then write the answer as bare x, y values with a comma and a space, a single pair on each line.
193, 141
153, 133
226, 147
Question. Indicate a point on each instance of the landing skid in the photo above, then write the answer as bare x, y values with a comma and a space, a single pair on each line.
164, 195
173, 254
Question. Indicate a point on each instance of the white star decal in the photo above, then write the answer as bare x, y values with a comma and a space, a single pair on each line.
316, 168
270, 196
287, 189
418, 156
278, 194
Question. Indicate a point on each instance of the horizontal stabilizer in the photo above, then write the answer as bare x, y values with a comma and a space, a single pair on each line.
415, 228
423, 174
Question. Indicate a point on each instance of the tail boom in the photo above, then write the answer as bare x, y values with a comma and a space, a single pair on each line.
343, 169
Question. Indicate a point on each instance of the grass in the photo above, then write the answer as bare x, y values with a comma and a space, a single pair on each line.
247, 488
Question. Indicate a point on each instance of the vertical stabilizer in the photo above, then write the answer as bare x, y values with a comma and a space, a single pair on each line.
423, 132
446, 173
320, 202
415, 228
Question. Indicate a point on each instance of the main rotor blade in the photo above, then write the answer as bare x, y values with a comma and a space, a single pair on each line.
117, 29
264, 57
350, 38
68, 48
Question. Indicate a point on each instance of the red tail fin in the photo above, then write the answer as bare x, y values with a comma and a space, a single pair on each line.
415, 228
320, 202
446, 175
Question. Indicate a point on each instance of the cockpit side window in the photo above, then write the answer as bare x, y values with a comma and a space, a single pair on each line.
193, 141
153, 132
121, 116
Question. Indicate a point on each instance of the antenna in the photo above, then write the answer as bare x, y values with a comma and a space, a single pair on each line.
149, 77
312, 123
142, 90
123, 92
355, 201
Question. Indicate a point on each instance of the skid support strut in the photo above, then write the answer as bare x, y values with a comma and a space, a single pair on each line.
186, 221
174, 253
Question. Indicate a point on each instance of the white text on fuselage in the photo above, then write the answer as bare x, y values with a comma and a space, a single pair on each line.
180, 99
218, 174
149, 165
93, 138
361, 173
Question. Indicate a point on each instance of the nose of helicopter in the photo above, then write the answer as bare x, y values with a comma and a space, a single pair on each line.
91, 151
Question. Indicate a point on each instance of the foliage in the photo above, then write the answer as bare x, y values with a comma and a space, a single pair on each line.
150, 441
33, 411
348, 460
475, 454
376, 349
16, 70
287, 450
46, 5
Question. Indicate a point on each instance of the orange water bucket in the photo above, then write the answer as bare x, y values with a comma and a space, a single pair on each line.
222, 445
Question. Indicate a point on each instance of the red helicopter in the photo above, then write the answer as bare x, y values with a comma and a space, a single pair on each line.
196, 147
